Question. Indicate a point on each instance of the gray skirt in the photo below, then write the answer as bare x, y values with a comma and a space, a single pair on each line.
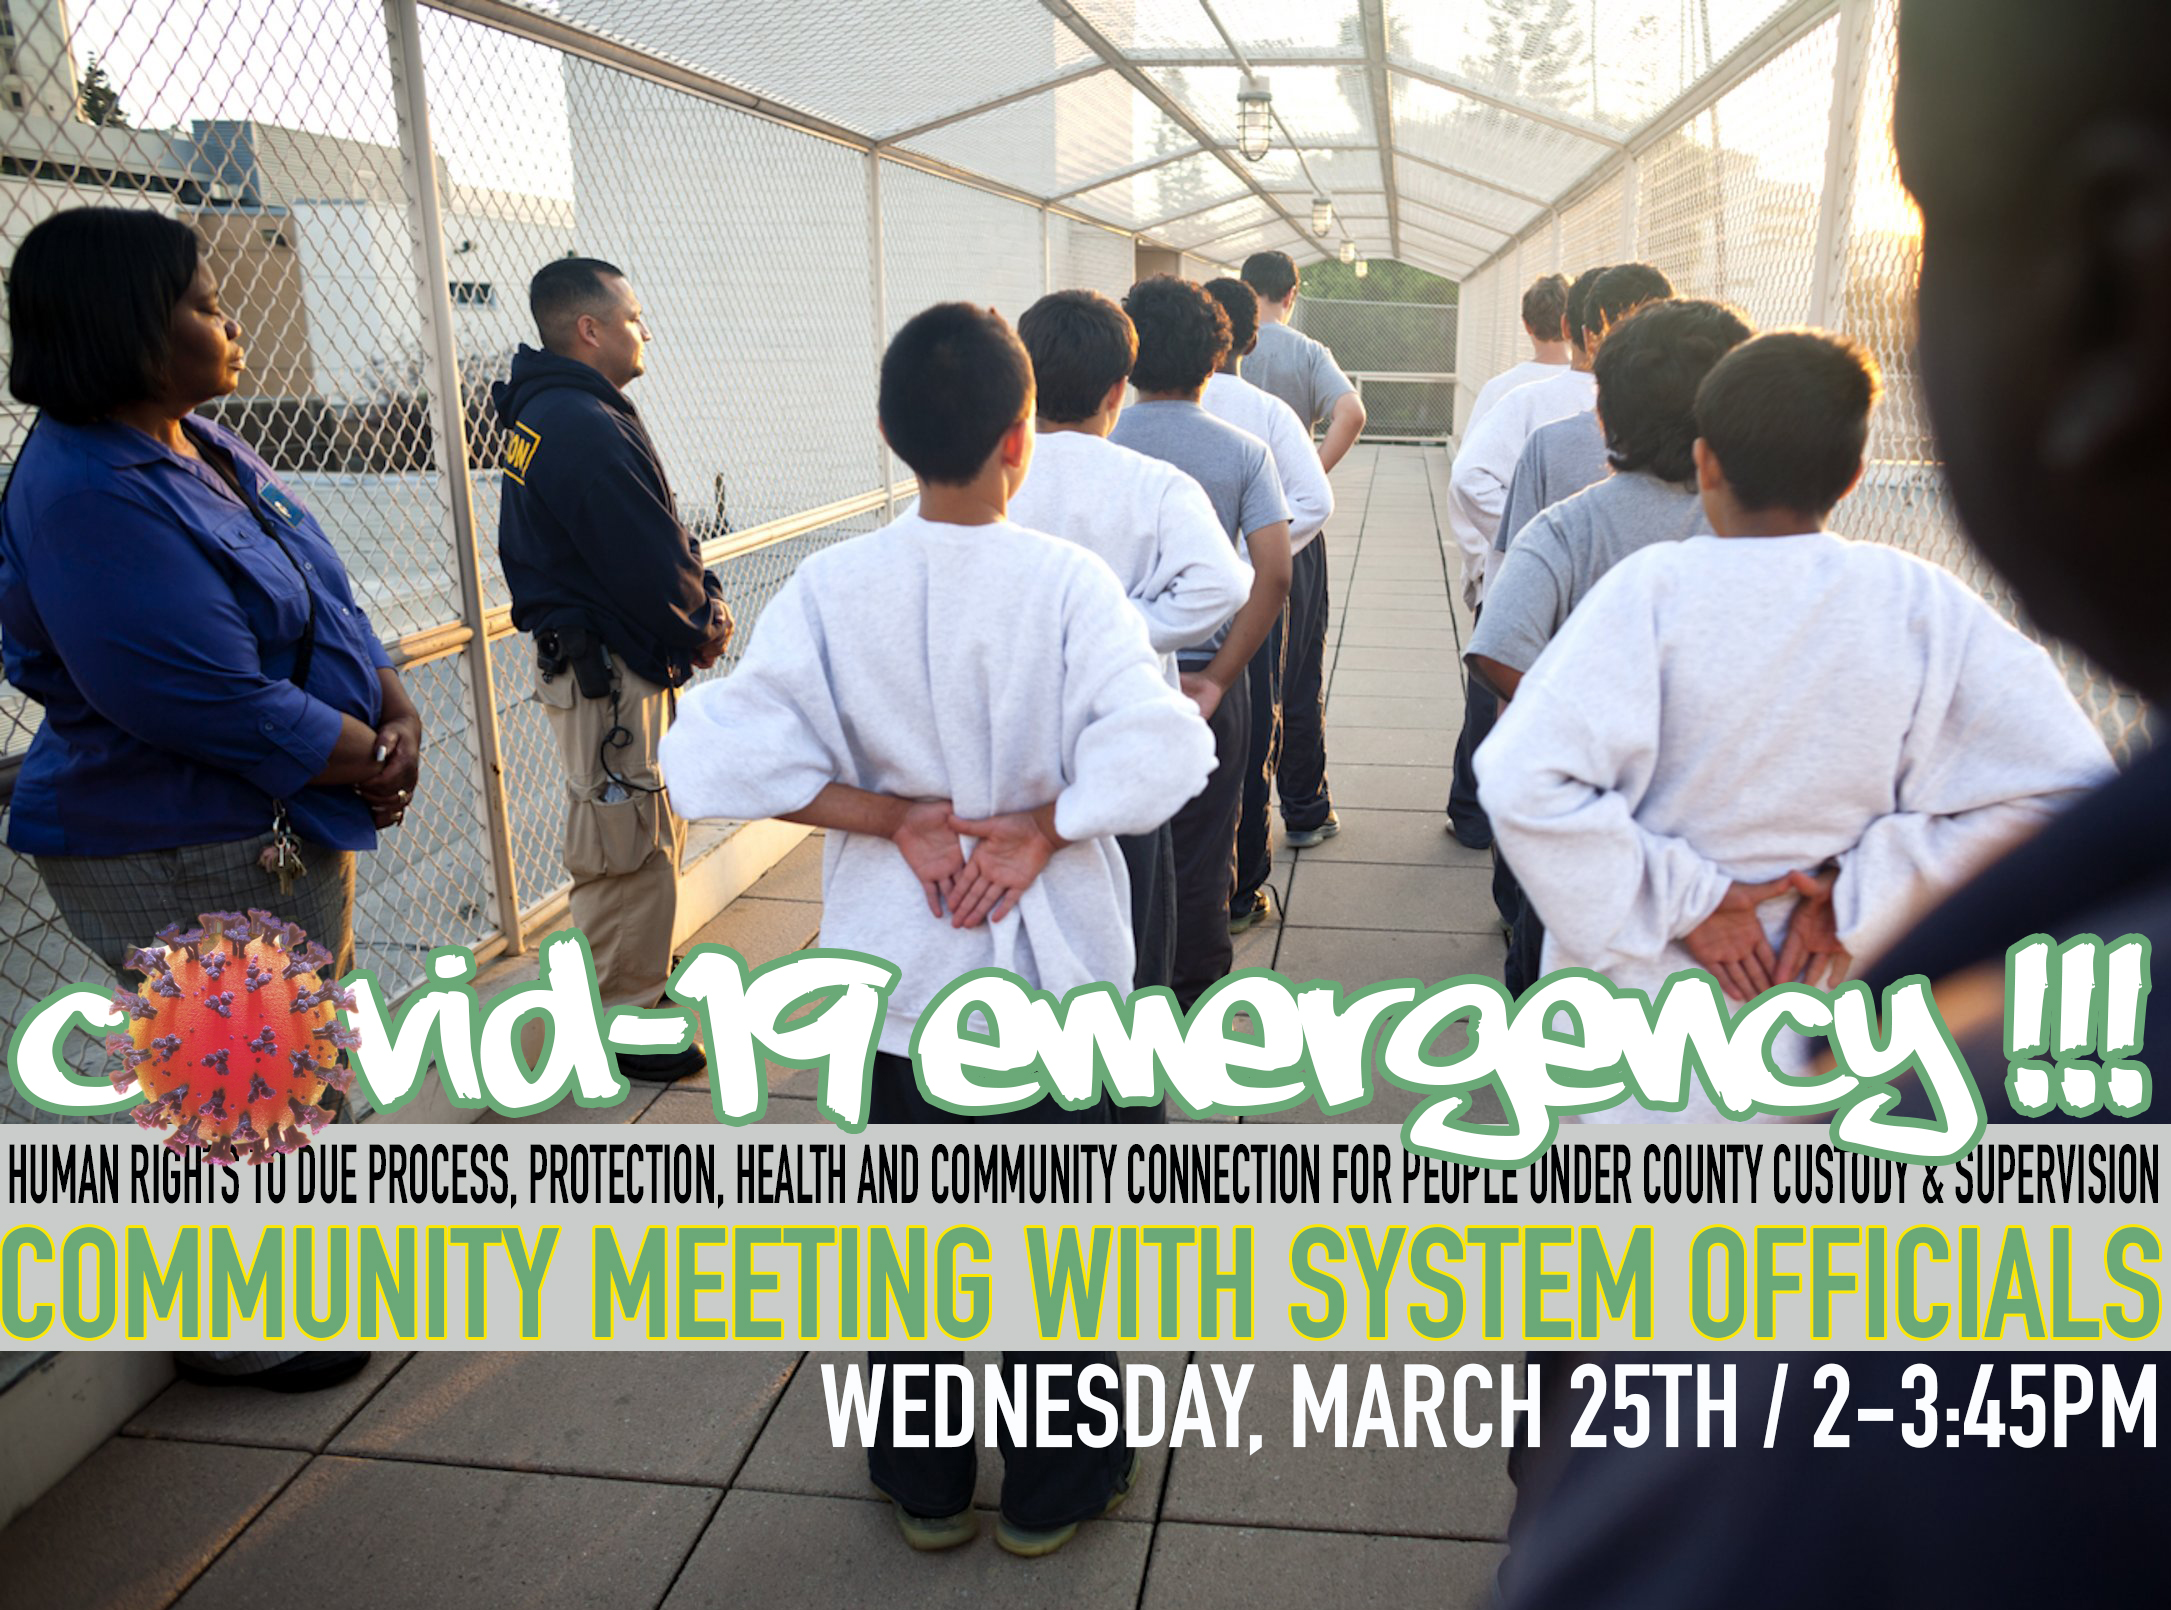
114, 903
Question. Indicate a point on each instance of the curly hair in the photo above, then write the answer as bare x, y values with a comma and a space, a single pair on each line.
1647, 373
1241, 303
1182, 334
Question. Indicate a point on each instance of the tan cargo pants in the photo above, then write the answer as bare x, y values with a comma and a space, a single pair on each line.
623, 853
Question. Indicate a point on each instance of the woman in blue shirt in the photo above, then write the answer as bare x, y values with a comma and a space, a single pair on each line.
216, 702
222, 729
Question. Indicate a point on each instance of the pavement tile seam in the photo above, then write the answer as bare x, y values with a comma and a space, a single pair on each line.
535, 1467
242, 1530
1240, 1525
134, 1430
692, 1545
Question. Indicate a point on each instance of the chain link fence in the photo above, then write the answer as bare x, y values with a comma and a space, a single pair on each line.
375, 183
376, 180
1779, 192
1401, 356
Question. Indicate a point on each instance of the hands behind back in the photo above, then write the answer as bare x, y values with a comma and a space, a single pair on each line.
1731, 946
1013, 849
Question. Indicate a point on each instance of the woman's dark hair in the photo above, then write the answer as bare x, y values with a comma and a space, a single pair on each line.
1182, 333
954, 380
1082, 347
1648, 371
91, 296
1787, 414
1241, 303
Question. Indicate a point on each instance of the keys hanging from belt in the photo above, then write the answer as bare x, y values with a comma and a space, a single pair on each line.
282, 857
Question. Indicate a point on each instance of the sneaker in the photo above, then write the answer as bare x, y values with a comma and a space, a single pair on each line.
1303, 838
1262, 907
1031, 1545
663, 1067
304, 1372
931, 1534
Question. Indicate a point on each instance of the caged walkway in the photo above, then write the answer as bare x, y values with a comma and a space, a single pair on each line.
624, 1481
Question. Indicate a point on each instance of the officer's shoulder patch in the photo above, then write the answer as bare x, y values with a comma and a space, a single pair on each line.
520, 445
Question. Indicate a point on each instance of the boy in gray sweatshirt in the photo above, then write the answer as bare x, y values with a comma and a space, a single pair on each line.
972, 712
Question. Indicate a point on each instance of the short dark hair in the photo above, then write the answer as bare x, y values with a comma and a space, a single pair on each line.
1082, 345
1241, 303
1579, 295
1545, 307
1182, 333
565, 289
953, 381
91, 296
1618, 292
1272, 274
1648, 372
1787, 415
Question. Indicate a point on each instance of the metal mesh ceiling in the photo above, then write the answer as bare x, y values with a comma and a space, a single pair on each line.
1439, 128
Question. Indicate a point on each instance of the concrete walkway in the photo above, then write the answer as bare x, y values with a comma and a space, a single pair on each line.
636, 1480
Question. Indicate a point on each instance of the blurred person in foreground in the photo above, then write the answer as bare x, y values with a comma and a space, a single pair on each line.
2037, 142
222, 728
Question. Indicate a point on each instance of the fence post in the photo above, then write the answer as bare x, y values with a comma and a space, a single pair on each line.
448, 421
1843, 140
1047, 251
877, 279
1631, 199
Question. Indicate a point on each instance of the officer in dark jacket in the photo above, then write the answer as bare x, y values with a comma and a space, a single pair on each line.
623, 613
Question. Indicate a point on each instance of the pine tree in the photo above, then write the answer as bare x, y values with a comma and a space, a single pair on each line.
1537, 52
100, 98
1185, 183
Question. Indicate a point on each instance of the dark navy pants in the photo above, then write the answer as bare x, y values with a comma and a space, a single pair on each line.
1042, 1487
1301, 770
1150, 859
1254, 827
1480, 709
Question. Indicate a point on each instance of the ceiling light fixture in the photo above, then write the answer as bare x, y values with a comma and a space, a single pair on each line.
1254, 116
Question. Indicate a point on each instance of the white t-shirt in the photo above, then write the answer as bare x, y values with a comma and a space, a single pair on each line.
1523, 374
1477, 488
1151, 522
1296, 460
987, 665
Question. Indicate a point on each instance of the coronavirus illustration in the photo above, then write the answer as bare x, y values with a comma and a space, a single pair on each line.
233, 1037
